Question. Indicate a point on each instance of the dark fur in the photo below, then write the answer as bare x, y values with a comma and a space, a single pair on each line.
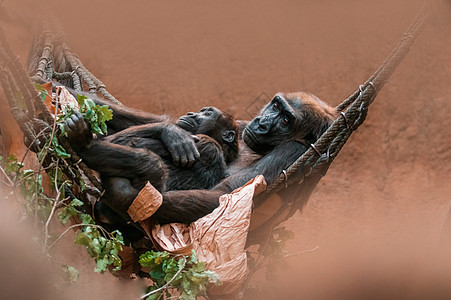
270, 143
269, 147
129, 158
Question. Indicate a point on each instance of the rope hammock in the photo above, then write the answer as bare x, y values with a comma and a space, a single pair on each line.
51, 58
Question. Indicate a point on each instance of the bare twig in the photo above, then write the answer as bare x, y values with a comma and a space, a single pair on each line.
18, 182
6, 176
55, 203
7, 184
46, 149
13, 186
31, 144
74, 226
290, 255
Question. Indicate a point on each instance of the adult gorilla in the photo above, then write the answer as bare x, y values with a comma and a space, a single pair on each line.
272, 141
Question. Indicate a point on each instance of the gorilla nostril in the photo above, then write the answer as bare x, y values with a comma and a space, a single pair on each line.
262, 127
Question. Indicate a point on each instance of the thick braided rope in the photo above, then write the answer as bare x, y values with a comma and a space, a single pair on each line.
54, 34
45, 57
94, 84
11, 61
13, 73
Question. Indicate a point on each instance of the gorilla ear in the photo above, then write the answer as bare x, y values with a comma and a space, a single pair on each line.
228, 136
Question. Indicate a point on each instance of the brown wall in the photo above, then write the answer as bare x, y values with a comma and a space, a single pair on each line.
388, 190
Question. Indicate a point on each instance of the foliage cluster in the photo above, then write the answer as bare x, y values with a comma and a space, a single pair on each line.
182, 273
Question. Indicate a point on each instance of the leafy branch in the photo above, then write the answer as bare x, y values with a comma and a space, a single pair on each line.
185, 274
26, 185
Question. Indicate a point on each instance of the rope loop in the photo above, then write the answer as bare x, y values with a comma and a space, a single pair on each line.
346, 119
361, 89
284, 172
316, 149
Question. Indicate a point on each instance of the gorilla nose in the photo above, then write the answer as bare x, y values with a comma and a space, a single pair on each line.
191, 114
263, 124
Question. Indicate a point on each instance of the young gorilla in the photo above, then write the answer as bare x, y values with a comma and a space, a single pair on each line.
159, 152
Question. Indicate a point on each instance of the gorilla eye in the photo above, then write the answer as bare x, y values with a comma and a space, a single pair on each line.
276, 105
285, 120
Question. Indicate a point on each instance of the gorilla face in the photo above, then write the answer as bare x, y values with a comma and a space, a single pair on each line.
201, 122
217, 125
299, 116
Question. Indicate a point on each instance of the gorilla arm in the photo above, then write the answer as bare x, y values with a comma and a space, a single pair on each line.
125, 117
111, 159
188, 206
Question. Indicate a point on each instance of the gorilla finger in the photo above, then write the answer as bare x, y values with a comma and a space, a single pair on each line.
195, 138
75, 118
70, 124
191, 149
176, 159
196, 153
183, 161
191, 159
66, 128
190, 154
183, 151
79, 121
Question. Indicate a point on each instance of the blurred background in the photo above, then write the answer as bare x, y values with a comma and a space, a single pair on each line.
377, 215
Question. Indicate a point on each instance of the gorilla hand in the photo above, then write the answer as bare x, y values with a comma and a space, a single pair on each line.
180, 144
78, 132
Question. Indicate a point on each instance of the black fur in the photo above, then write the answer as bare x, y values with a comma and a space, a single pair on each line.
270, 143
165, 154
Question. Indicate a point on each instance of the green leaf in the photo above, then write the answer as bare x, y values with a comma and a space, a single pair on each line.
95, 128
76, 203
198, 267
70, 274
83, 239
86, 219
101, 266
103, 128
42, 92
193, 259
81, 100
39, 87
104, 112
89, 103
61, 152
65, 214
89, 115
27, 173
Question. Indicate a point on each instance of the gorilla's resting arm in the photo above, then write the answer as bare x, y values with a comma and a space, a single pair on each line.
115, 156
188, 206
125, 117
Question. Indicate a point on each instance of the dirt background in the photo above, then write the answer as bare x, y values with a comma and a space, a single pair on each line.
377, 216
